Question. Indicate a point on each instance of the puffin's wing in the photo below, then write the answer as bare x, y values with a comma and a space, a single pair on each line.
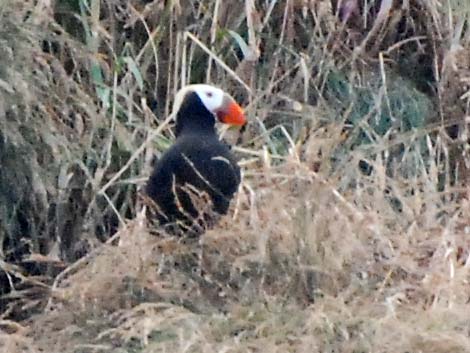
216, 172
226, 179
225, 174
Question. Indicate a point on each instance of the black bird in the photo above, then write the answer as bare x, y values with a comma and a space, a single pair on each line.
196, 178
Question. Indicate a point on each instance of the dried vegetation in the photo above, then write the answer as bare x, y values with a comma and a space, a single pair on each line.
350, 232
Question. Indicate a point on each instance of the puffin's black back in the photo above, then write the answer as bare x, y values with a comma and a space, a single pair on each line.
196, 161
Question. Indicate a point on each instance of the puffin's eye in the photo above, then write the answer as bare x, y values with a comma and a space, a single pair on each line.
209, 94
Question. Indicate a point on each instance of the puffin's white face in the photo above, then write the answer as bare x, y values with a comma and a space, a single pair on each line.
216, 101
212, 97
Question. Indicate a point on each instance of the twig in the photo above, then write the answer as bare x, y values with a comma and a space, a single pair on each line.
136, 154
217, 60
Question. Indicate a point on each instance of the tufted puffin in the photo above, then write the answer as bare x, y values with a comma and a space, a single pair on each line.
195, 179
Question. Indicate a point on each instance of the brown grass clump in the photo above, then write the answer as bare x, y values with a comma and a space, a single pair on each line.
350, 232
331, 271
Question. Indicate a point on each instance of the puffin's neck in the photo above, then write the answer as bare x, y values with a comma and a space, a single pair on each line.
194, 118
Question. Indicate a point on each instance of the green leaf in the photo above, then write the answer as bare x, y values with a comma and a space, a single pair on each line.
241, 43
132, 65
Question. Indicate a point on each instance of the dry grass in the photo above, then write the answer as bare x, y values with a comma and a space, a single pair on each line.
350, 232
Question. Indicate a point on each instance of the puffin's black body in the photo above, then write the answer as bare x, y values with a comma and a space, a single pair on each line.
196, 161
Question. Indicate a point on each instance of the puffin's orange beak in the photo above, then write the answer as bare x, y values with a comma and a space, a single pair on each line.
231, 113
